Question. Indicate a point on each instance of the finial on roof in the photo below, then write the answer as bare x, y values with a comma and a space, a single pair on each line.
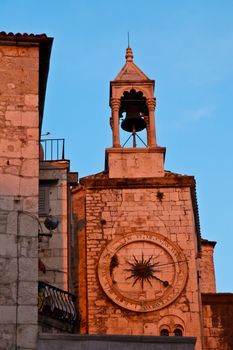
129, 52
129, 55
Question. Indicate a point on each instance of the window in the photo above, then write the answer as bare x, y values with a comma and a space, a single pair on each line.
43, 200
178, 332
164, 332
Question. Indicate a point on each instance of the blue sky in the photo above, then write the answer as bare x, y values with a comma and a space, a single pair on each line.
187, 47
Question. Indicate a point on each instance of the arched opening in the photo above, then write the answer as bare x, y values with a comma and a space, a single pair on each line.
164, 332
178, 332
132, 112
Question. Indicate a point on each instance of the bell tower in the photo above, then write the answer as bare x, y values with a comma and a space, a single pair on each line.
138, 234
132, 101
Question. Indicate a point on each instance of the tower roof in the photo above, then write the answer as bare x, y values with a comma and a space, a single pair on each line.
130, 72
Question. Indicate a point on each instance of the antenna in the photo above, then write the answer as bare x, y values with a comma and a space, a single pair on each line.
128, 41
47, 133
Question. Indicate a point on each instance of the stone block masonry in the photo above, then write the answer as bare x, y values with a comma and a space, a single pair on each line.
112, 211
54, 251
208, 284
19, 166
217, 315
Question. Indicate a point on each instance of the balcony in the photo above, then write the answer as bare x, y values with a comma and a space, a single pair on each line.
52, 149
56, 308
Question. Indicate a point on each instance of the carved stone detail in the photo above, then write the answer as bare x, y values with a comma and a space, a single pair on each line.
169, 268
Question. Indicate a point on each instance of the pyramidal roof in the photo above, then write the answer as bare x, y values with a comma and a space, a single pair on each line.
130, 72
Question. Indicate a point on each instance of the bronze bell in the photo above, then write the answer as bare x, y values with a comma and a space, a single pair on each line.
134, 120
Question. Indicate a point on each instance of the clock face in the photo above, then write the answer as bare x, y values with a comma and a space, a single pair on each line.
142, 272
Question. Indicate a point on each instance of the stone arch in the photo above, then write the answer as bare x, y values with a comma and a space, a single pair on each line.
146, 91
171, 323
164, 330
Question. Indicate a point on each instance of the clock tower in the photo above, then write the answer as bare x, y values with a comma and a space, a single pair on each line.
138, 235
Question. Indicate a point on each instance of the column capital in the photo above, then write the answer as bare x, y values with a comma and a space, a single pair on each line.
151, 103
115, 103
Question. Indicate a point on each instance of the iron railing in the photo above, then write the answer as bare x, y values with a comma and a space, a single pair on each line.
54, 149
56, 303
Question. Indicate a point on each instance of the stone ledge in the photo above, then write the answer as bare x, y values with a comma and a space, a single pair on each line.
105, 342
217, 298
170, 181
54, 164
122, 150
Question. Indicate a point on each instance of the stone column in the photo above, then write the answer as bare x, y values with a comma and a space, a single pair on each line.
115, 104
151, 106
146, 118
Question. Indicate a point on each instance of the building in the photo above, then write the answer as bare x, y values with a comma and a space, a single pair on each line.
24, 63
32, 188
126, 242
144, 268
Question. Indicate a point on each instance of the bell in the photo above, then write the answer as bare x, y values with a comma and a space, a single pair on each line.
133, 121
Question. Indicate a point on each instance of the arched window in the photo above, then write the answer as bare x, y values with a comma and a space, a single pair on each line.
164, 332
178, 332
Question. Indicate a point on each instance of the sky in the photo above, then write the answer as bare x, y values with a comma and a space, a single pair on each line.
187, 47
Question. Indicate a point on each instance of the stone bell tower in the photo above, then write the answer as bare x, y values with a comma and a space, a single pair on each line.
132, 93
137, 229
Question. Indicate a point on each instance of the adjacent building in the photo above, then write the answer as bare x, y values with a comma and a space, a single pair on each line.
34, 185
24, 63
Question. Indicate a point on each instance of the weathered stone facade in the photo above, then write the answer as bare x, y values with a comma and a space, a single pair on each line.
142, 264
19, 178
19, 135
112, 212
135, 216
146, 162
217, 316
54, 251
207, 277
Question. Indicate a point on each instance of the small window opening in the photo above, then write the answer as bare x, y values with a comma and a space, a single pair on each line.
164, 332
43, 200
178, 332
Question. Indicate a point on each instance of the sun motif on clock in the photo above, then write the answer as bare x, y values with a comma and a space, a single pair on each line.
142, 272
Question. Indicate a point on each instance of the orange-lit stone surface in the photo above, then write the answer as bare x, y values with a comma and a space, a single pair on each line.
208, 284
139, 239
145, 162
217, 316
132, 78
111, 212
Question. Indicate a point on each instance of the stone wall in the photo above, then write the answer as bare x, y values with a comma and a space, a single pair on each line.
79, 258
217, 314
111, 213
53, 251
126, 163
208, 283
19, 165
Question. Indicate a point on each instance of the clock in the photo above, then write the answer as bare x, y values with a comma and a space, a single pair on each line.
142, 271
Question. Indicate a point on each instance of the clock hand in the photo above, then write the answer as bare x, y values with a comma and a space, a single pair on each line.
165, 283
171, 263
